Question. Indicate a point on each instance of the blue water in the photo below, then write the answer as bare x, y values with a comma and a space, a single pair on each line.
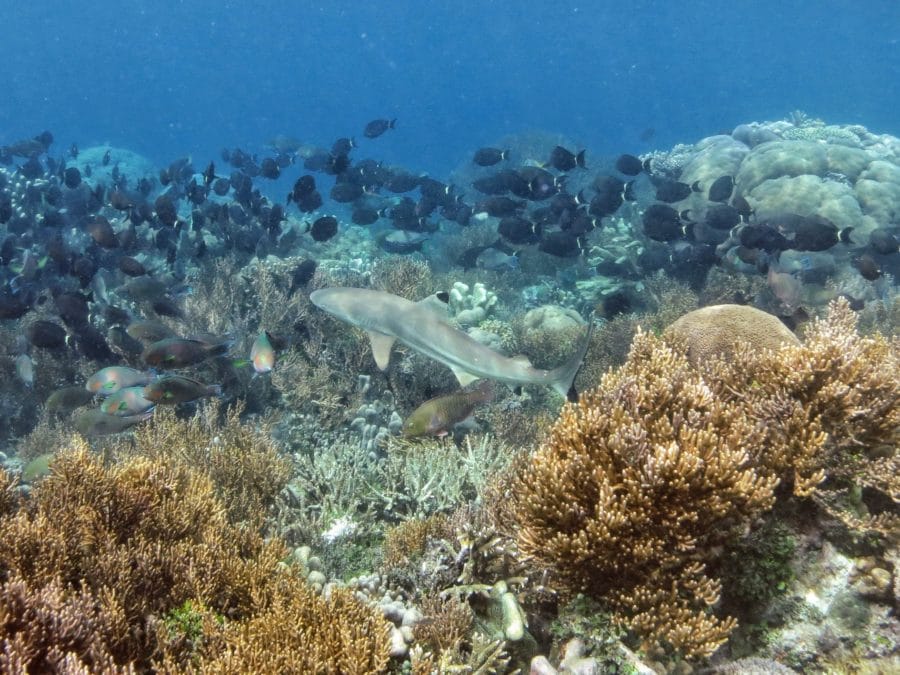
170, 78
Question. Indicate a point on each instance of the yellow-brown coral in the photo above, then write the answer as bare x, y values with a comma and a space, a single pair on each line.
634, 486
640, 482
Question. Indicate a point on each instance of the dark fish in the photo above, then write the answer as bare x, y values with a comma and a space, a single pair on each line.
662, 223
363, 215
180, 352
344, 193
814, 233
209, 174
46, 334
120, 201
324, 228
375, 128
519, 230
342, 146
489, 156
72, 308
867, 267
561, 245
167, 306
629, 165
123, 342
175, 389
91, 343
102, 232
302, 274
670, 191
67, 399
883, 242
499, 206
438, 416
721, 189
722, 217
762, 236
565, 160
72, 177
149, 330
145, 288
221, 186
493, 185
269, 169
165, 210
402, 182
132, 267
401, 241
610, 196
98, 423
12, 307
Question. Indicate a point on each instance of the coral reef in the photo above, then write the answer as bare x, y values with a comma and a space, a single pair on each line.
641, 482
471, 305
96, 556
715, 330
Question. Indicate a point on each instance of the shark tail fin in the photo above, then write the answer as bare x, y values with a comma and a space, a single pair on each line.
563, 378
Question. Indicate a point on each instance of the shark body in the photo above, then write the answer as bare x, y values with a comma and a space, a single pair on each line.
387, 318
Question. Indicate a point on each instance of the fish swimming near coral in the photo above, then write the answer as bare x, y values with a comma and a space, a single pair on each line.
387, 318
437, 416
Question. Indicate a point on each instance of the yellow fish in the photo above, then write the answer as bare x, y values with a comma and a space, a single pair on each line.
261, 354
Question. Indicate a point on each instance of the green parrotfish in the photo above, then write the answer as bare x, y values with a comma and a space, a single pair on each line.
436, 417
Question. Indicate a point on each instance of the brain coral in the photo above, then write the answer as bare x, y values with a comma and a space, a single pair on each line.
714, 330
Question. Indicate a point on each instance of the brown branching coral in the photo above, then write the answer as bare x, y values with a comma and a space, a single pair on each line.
642, 480
300, 632
112, 550
244, 465
634, 486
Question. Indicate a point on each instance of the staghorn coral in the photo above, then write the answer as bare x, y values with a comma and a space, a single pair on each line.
110, 552
642, 481
407, 277
244, 465
49, 629
405, 543
635, 485
301, 632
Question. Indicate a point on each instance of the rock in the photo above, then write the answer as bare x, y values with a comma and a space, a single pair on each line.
399, 648
541, 666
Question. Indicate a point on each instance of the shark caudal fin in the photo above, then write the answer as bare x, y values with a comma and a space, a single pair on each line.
563, 378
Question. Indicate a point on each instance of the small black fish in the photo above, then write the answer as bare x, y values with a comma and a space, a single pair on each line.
324, 228
46, 334
72, 178
519, 230
670, 191
561, 245
629, 165
489, 156
867, 267
721, 189
662, 223
363, 215
564, 160
269, 169
375, 128
209, 175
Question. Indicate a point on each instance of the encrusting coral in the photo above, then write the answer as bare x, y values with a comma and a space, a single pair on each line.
640, 483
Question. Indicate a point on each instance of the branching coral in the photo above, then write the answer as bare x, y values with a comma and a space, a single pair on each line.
640, 483
634, 486
111, 550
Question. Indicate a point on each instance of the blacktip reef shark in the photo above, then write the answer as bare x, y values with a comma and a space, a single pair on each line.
387, 318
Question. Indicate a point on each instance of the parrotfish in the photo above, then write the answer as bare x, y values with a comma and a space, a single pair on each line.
95, 422
180, 352
109, 380
126, 402
436, 417
65, 400
261, 354
175, 389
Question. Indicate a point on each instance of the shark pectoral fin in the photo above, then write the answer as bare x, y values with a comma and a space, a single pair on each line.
381, 348
463, 377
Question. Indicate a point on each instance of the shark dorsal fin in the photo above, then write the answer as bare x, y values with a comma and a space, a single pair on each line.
381, 348
464, 377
